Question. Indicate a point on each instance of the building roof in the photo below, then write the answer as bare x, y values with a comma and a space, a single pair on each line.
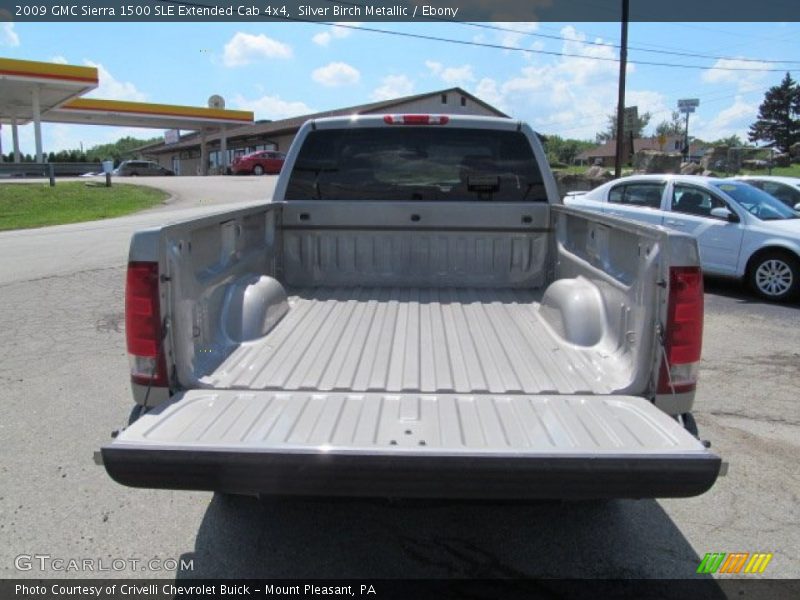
609, 149
291, 125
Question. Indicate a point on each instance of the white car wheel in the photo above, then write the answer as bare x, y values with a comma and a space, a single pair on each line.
775, 277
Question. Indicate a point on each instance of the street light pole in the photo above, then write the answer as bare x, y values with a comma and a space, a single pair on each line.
623, 62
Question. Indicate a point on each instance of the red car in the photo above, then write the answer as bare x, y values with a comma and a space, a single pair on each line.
258, 163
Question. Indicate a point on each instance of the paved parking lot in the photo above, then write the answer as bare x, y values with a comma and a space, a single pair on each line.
64, 388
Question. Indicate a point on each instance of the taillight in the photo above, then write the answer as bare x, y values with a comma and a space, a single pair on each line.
416, 119
683, 338
143, 325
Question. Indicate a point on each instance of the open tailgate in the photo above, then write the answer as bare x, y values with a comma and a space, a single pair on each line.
412, 445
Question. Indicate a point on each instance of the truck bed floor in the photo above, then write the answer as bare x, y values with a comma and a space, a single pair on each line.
416, 340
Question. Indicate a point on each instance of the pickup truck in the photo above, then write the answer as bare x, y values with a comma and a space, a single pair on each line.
414, 314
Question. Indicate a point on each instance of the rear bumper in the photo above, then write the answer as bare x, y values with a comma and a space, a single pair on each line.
413, 476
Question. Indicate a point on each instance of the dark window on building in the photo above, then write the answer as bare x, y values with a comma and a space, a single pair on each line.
444, 98
463, 101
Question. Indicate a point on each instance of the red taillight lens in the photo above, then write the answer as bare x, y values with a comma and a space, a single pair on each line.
143, 324
683, 339
416, 119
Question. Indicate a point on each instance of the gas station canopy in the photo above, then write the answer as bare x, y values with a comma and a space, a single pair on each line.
55, 84
50, 92
143, 114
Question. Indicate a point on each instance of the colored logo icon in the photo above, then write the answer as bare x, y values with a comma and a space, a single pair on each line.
734, 562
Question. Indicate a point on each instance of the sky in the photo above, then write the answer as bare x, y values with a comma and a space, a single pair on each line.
281, 70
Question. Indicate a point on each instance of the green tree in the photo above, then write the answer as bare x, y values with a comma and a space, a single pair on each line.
778, 121
560, 150
732, 141
610, 132
121, 149
675, 126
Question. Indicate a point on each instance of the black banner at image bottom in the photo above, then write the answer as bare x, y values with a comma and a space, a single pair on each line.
405, 589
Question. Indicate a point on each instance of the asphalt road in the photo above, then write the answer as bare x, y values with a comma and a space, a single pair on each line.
64, 388
64, 249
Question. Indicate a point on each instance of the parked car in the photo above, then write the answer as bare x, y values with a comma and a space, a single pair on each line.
741, 230
141, 168
258, 163
414, 314
785, 189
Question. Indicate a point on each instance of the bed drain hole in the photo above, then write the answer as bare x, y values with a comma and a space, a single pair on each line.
422, 442
393, 443
408, 432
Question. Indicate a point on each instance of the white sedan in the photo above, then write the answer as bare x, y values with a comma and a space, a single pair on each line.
785, 189
741, 231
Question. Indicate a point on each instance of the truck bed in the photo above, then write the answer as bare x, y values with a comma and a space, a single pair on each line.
423, 340
380, 329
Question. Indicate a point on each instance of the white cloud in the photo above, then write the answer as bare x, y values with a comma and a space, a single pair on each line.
322, 39
568, 95
512, 38
733, 120
272, 107
8, 37
336, 74
393, 86
112, 89
451, 75
458, 75
487, 90
516, 32
59, 60
649, 101
326, 37
434, 67
746, 81
245, 48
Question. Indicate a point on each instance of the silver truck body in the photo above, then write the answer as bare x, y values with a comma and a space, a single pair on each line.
428, 349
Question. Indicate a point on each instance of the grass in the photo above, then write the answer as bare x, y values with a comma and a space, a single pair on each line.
580, 170
26, 205
792, 171
573, 169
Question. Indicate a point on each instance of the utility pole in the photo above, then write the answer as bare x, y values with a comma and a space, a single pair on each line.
686, 139
687, 106
623, 63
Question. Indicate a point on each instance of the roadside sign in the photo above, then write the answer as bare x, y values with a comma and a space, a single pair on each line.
662, 139
172, 136
631, 118
688, 105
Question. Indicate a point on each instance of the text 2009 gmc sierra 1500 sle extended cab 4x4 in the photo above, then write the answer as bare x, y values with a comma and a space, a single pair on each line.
415, 314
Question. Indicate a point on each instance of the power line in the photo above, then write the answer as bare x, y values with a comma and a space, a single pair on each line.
432, 38
632, 48
672, 52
